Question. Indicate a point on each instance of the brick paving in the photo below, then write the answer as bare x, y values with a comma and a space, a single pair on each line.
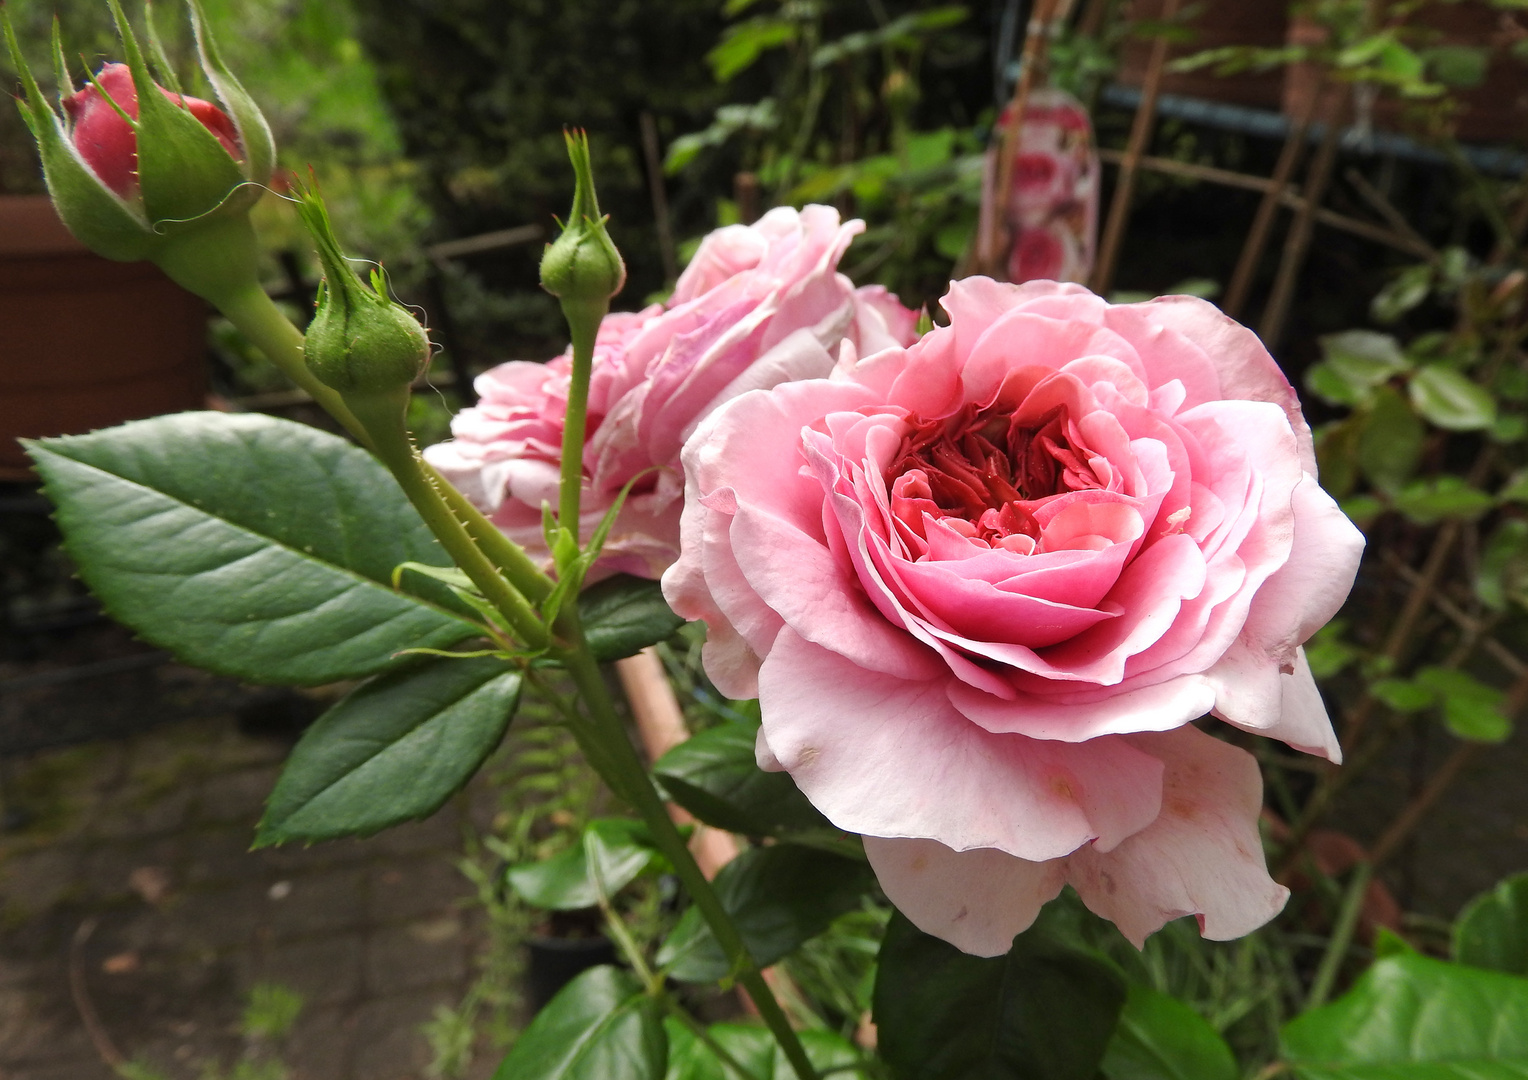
144, 843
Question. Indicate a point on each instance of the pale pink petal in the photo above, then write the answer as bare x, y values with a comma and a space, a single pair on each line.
1202, 856
976, 900
1306, 591
885, 756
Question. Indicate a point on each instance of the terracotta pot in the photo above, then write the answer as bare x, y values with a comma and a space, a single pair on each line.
1219, 23
86, 342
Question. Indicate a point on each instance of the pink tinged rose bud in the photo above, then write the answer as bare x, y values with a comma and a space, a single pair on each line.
106, 141
983, 585
759, 305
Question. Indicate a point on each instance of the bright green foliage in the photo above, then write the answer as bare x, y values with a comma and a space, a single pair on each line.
1471, 709
1044, 1011
1161, 1038
250, 546
1492, 932
601, 1026
396, 748
610, 854
779, 896
1451, 400
1411, 1017
754, 1049
714, 776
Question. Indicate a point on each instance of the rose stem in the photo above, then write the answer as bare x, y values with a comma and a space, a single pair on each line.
629, 779
260, 320
582, 331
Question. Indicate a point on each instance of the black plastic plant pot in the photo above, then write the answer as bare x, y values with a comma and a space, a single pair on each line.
557, 961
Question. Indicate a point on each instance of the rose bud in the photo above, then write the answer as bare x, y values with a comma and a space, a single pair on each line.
360, 342
135, 168
582, 267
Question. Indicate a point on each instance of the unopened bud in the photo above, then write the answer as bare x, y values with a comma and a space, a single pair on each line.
582, 267
360, 342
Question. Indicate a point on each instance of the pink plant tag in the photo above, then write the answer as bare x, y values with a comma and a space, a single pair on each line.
1050, 220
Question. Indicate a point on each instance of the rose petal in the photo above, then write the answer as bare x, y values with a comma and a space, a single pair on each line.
976, 900
1201, 856
885, 756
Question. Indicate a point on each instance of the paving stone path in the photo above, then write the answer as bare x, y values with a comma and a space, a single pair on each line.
133, 894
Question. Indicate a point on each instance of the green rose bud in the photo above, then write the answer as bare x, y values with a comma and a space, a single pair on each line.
582, 267
360, 342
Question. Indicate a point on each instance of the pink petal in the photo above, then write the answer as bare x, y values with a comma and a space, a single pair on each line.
1242, 364
976, 900
1306, 591
1201, 856
885, 756
1075, 718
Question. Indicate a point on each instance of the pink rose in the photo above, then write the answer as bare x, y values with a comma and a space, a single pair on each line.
109, 145
982, 587
758, 305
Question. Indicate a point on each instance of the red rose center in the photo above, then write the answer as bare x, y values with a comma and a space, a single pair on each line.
983, 473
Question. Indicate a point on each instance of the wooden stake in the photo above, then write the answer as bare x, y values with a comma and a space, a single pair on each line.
1124, 184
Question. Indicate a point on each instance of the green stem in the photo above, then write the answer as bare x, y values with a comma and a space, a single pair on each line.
583, 326
260, 320
503, 552
627, 944
398, 454
1342, 937
631, 782
246, 305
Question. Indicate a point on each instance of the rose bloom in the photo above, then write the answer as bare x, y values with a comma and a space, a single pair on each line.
983, 586
109, 145
758, 305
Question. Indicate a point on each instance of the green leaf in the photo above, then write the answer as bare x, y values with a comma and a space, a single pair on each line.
395, 748
1403, 695
1044, 1011
1414, 1018
622, 615
1451, 401
1404, 292
754, 1048
1391, 442
1459, 66
1503, 565
1492, 931
715, 776
1160, 1038
620, 848
1363, 358
601, 1026
1471, 709
1429, 501
779, 896
744, 43
251, 546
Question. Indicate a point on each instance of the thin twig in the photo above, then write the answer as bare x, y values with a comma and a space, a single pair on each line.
1124, 184
655, 184
1262, 221
1412, 814
1287, 198
1298, 240
104, 1047
1386, 209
